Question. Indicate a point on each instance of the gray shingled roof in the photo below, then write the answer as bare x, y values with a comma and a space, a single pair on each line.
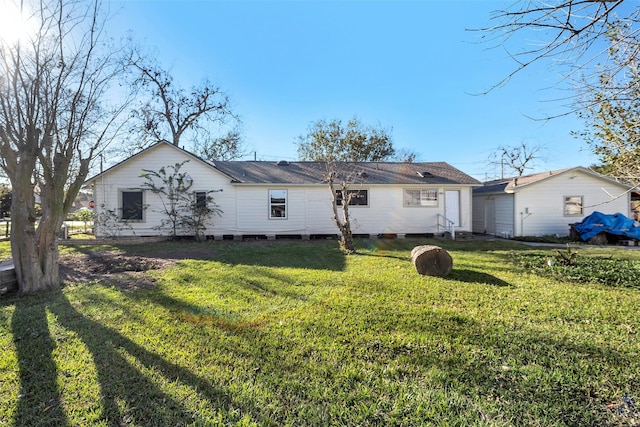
509, 185
261, 172
288, 173
497, 186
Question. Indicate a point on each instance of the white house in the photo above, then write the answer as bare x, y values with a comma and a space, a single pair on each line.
275, 199
545, 203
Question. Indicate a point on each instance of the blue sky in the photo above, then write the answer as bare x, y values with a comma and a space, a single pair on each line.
409, 66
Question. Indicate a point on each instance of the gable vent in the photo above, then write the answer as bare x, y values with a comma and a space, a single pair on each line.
283, 163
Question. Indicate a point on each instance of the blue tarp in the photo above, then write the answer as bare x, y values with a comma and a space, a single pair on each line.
616, 224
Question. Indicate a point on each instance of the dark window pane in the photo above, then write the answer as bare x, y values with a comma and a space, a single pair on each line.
132, 205
201, 200
357, 197
278, 211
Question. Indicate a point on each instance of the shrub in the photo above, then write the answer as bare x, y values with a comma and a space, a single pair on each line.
570, 266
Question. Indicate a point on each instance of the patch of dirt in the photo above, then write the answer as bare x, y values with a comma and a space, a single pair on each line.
115, 268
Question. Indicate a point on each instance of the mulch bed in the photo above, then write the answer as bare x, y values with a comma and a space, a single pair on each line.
111, 268
123, 270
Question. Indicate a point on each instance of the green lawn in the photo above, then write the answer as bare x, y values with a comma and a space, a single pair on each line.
4, 233
295, 333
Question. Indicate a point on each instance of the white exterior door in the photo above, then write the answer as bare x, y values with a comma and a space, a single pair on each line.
452, 206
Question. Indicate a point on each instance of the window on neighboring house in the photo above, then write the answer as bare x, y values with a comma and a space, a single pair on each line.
573, 205
278, 204
132, 205
201, 199
420, 197
356, 197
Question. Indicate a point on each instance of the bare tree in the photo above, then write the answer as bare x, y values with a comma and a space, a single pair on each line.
170, 112
595, 45
53, 121
567, 32
341, 148
516, 159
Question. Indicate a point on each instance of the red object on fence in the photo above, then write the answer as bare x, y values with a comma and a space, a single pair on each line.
92, 204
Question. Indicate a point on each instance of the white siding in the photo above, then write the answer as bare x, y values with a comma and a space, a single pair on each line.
504, 215
127, 176
253, 211
318, 212
245, 208
539, 207
386, 213
309, 211
493, 214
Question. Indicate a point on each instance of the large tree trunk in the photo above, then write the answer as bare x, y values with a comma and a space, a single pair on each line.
24, 251
34, 252
35, 255
48, 253
24, 247
55, 205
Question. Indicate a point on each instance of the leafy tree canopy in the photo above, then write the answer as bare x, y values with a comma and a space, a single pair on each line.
351, 142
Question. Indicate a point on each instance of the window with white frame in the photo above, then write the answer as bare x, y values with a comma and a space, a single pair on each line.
420, 197
278, 204
572, 205
132, 205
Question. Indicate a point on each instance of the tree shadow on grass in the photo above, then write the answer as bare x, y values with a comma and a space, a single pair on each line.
39, 400
205, 314
127, 395
459, 274
383, 255
309, 254
473, 276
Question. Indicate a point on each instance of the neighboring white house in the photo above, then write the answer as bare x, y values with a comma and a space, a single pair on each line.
545, 203
288, 198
